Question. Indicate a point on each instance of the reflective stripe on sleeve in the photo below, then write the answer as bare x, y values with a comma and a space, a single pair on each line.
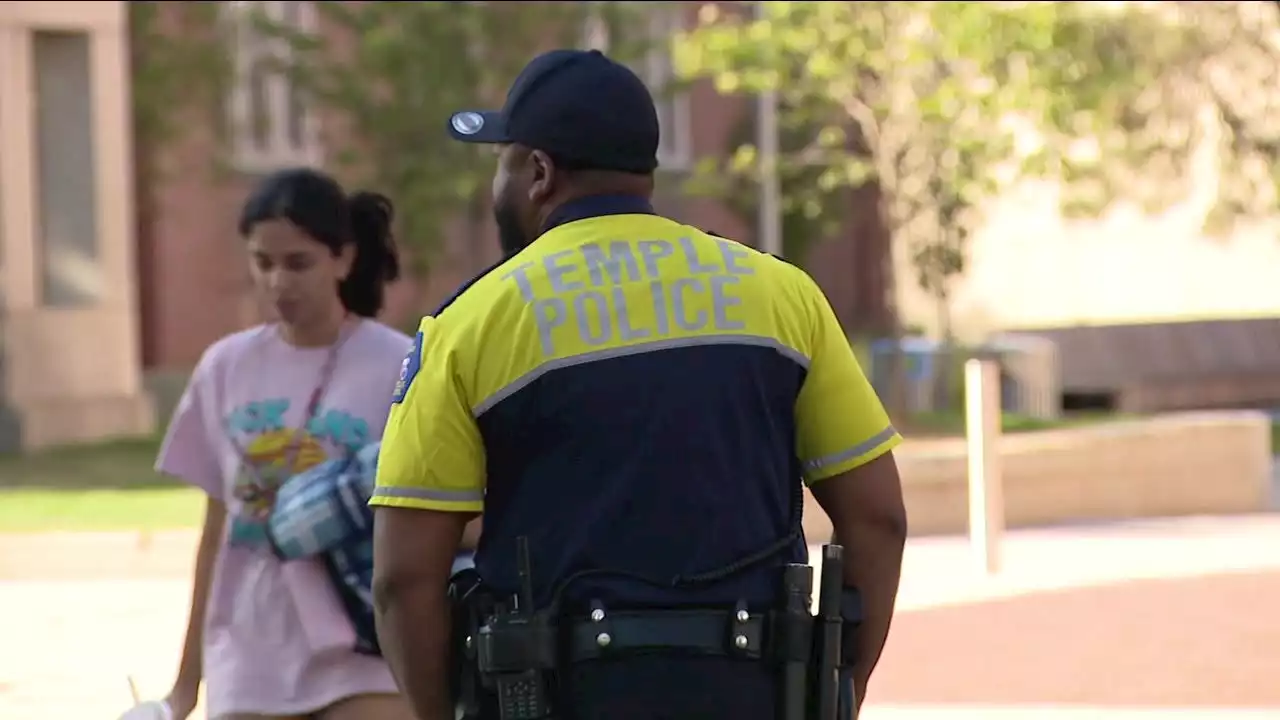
851, 453
409, 493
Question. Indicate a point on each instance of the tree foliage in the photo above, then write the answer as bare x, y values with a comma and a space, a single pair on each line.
946, 104
180, 67
941, 104
915, 96
1200, 102
389, 74
808, 212
1115, 101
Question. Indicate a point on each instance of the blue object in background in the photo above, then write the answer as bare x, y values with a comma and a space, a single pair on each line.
920, 356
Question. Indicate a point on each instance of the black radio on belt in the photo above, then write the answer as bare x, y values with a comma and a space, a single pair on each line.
516, 651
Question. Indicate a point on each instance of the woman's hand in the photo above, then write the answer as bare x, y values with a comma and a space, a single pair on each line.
186, 689
182, 699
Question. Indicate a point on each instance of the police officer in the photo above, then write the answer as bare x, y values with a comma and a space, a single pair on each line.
640, 401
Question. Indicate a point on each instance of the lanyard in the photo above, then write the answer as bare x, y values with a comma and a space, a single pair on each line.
312, 409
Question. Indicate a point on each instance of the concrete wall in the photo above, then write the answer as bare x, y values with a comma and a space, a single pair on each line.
1030, 267
69, 329
1184, 464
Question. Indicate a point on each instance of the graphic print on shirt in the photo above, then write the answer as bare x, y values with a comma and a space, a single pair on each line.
273, 451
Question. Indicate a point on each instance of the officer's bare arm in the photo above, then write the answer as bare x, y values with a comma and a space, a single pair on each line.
413, 552
867, 513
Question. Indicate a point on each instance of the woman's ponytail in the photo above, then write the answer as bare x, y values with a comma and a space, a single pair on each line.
376, 261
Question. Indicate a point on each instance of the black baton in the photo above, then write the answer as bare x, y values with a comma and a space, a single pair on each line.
828, 635
797, 640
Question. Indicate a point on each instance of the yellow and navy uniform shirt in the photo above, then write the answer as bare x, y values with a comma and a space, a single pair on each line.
631, 394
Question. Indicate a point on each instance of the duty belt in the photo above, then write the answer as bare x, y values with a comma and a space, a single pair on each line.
716, 633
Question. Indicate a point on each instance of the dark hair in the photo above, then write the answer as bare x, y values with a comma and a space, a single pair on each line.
317, 204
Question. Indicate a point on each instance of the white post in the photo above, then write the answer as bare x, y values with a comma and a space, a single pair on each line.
770, 210
982, 428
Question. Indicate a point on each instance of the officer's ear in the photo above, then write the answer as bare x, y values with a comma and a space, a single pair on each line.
544, 176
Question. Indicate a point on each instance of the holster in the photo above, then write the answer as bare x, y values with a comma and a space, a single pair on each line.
851, 610
466, 610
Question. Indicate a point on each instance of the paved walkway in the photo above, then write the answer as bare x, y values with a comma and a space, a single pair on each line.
1188, 642
1056, 712
1159, 619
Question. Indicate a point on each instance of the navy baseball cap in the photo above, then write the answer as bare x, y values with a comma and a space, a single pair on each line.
578, 106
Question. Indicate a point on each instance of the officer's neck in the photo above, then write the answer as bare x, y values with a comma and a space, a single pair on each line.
586, 184
589, 204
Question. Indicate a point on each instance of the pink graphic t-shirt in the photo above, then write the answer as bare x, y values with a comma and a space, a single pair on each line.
276, 640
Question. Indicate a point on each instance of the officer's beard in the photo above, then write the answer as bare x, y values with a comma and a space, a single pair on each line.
511, 236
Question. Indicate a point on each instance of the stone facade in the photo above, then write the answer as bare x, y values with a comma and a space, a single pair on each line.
69, 330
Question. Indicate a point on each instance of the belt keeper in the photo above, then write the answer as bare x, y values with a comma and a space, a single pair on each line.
600, 620
744, 636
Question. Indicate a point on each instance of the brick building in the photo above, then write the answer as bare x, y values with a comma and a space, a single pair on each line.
191, 271
145, 267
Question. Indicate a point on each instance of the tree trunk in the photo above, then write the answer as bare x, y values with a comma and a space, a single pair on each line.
896, 401
145, 155
943, 375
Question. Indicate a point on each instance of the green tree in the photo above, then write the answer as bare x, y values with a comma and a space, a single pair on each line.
889, 88
809, 212
1199, 104
178, 65
929, 100
390, 73
179, 72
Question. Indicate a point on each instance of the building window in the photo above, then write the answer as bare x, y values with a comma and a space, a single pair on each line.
271, 124
71, 271
675, 118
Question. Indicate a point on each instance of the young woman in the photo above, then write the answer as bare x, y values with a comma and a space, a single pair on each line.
270, 638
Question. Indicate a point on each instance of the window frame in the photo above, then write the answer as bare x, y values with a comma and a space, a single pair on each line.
656, 69
279, 148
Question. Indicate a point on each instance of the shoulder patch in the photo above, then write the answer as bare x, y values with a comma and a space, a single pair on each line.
409, 368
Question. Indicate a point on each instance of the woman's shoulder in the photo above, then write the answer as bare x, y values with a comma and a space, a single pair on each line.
380, 338
226, 349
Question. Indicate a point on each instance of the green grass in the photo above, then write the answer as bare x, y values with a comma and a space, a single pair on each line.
35, 510
106, 486
1275, 438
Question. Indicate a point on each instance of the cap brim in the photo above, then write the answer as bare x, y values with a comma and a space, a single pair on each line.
478, 126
